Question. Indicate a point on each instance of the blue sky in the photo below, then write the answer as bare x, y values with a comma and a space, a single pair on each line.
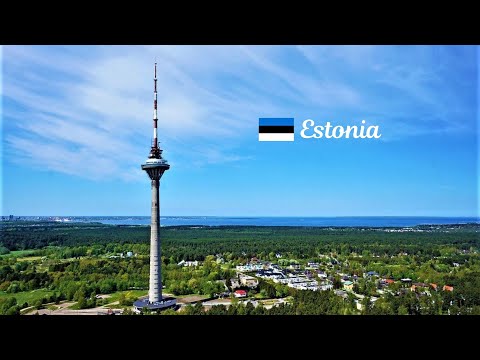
77, 124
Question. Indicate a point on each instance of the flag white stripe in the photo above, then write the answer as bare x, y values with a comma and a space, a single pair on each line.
276, 136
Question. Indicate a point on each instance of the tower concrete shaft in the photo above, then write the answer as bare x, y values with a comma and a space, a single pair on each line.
155, 289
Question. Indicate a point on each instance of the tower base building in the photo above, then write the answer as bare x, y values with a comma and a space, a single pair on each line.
165, 303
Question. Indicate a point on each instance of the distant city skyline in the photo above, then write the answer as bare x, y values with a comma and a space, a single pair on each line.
76, 122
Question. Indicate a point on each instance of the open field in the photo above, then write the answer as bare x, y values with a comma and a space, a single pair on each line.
18, 253
65, 308
225, 302
29, 258
188, 299
128, 294
27, 296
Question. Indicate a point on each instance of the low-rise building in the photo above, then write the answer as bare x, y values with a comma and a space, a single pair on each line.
304, 285
322, 275
341, 293
348, 285
240, 293
235, 283
325, 287
249, 281
270, 274
188, 263
416, 286
250, 267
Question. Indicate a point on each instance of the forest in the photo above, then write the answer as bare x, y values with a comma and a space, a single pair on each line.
197, 242
78, 261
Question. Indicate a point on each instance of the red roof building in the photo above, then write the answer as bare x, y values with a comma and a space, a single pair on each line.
240, 293
447, 288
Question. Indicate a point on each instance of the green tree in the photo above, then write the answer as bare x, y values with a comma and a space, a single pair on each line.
80, 297
402, 310
337, 282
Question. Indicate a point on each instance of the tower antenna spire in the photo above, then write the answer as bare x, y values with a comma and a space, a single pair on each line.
155, 118
155, 151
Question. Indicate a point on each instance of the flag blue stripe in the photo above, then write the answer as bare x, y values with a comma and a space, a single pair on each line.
275, 121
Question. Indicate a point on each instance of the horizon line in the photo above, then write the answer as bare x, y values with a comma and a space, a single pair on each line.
259, 216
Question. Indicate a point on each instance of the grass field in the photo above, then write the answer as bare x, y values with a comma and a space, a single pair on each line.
29, 258
128, 293
18, 253
27, 296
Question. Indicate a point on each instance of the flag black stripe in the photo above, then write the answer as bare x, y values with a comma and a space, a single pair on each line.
275, 129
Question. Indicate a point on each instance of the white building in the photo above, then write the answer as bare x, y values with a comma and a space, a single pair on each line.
249, 281
188, 263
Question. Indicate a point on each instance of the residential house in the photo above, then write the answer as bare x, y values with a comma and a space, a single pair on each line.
188, 263
240, 293
235, 283
325, 287
415, 286
348, 285
322, 275
249, 281
341, 293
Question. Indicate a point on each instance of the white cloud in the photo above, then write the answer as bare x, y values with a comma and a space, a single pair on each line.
88, 104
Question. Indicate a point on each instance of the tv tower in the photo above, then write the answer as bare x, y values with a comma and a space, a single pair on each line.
155, 166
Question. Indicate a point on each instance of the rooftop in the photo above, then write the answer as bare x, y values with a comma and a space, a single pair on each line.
162, 304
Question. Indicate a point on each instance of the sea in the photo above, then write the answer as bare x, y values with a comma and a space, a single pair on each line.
343, 221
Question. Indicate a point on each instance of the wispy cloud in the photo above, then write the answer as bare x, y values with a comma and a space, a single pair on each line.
74, 109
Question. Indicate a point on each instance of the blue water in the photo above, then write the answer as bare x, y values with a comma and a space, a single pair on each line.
380, 221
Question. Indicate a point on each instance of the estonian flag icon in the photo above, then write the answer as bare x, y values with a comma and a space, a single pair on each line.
275, 129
